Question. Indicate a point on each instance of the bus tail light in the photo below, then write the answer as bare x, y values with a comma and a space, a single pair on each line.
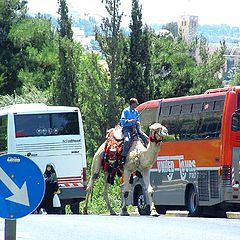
84, 174
227, 175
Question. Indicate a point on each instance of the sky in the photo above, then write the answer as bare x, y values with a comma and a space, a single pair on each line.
154, 11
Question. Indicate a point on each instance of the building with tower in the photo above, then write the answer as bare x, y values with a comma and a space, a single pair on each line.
187, 27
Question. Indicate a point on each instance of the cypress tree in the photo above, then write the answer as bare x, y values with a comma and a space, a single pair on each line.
136, 78
135, 69
110, 39
148, 82
65, 87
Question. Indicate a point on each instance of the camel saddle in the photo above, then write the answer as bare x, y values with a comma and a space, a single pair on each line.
115, 132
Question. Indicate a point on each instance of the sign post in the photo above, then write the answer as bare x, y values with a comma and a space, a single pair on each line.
22, 189
10, 229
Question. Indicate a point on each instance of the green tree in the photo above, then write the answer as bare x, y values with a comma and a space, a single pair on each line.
110, 39
136, 80
92, 88
65, 86
38, 49
236, 78
148, 82
172, 65
203, 50
29, 94
207, 72
172, 27
11, 12
134, 74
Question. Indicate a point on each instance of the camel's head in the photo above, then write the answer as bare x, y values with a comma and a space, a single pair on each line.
157, 132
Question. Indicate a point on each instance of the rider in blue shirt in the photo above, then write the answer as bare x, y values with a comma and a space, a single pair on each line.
130, 117
130, 121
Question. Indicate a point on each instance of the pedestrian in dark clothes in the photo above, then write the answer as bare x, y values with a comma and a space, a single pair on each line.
51, 186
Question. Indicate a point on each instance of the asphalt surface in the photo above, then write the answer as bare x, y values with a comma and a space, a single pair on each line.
103, 227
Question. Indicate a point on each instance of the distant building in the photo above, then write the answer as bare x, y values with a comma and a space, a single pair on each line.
232, 56
78, 34
88, 42
187, 27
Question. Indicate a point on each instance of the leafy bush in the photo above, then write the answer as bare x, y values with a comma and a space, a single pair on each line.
30, 94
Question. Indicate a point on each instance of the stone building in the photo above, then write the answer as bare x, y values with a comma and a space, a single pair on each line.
187, 27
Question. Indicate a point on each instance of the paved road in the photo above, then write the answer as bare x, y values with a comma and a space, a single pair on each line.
101, 227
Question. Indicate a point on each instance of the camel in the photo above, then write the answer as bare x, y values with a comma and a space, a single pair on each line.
139, 158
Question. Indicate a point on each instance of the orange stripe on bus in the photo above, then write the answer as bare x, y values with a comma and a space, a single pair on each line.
206, 153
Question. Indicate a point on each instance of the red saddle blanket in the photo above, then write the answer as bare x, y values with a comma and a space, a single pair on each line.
112, 153
114, 145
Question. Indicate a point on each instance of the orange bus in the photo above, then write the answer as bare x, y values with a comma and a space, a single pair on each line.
197, 168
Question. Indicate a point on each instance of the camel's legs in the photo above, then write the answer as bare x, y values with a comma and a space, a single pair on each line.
95, 169
126, 188
146, 179
89, 192
105, 194
90, 186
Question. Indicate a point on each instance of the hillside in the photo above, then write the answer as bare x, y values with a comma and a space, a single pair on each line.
213, 33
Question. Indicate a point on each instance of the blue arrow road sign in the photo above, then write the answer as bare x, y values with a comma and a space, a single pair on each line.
22, 186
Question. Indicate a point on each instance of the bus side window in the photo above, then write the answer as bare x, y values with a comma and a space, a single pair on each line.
210, 127
3, 134
202, 132
192, 121
213, 128
173, 125
218, 105
208, 106
197, 107
186, 109
188, 128
165, 111
175, 110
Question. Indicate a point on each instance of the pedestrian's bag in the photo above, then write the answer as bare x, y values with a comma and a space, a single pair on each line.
56, 201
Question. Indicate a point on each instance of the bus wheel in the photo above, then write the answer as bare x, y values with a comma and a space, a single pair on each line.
192, 203
160, 209
143, 207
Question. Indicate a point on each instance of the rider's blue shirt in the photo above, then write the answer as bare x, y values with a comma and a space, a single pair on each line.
128, 114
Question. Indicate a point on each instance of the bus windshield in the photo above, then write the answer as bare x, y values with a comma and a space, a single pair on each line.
50, 124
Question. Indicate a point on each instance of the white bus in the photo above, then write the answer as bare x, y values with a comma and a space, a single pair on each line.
49, 134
